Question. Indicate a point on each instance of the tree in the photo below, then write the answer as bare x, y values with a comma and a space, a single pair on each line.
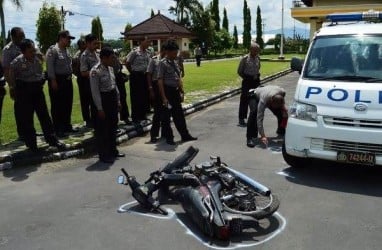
247, 26
235, 38
222, 40
128, 27
225, 24
203, 27
48, 25
259, 28
185, 9
152, 13
18, 5
97, 29
215, 14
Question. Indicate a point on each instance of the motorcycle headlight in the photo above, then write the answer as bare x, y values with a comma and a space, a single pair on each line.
303, 111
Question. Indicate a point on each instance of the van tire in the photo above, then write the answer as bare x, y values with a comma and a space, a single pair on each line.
294, 161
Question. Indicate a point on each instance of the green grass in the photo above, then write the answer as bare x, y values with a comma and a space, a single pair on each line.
211, 78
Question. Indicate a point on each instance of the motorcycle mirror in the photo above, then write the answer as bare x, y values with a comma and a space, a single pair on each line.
121, 180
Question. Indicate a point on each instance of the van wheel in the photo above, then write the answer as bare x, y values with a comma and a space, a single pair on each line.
293, 161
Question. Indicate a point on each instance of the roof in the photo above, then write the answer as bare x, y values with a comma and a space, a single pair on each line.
158, 26
351, 29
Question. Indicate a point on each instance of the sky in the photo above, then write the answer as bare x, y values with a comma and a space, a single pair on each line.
115, 14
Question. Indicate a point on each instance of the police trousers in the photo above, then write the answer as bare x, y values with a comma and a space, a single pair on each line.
158, 111
124, 111
176, 112
105, 129
252, 129
139, 96
88, 109
2, 94
247, 84
61, 103
31, 99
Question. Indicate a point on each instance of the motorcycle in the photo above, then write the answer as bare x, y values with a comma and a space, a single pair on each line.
221, 201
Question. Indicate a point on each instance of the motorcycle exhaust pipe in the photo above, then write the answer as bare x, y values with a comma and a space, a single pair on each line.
250, 182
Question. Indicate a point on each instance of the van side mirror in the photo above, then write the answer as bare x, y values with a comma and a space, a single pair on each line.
296, 64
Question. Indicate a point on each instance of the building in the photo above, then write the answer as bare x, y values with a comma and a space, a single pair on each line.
160, 28
314, 12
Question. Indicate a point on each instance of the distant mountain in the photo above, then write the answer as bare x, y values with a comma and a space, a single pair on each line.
288, 32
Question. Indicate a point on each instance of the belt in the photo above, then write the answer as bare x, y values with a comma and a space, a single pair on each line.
66, 77
20, 83
138, 72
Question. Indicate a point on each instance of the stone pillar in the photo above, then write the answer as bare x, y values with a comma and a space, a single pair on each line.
315, 25
159, 45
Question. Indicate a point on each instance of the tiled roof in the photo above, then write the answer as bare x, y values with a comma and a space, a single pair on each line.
158, 26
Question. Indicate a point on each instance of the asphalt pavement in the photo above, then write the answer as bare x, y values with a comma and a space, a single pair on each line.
77, 204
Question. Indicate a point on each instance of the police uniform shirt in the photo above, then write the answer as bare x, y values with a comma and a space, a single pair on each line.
88, 60
102, 79
27, 71
153, 67
117, 67
58, 62
76, 63
139, 60
169, 71
264, 96
10, 52
249, 66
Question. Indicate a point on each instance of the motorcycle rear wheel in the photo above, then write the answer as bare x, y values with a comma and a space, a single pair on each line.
265, 207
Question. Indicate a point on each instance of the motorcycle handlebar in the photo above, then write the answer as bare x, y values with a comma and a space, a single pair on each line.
181, 160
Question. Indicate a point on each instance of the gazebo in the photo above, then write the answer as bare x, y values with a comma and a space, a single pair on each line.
160, 28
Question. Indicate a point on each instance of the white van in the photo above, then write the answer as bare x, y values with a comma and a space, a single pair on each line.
337, 110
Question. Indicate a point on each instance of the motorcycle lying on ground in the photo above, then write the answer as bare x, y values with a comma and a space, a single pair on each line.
221, 201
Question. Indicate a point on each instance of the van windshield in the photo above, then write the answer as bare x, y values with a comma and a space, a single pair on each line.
345, 58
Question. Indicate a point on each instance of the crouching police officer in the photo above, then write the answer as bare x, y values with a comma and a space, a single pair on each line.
271, 97
172, 94
26, 81
106, 99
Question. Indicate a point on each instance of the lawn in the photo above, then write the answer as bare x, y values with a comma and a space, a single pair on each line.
199, 82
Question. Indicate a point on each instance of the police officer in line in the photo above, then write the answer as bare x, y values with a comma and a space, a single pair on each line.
249, 70
198, 55
26, 80
136, 63
10, 52
155, 97
76, 65
106, 98
121, 79
271, 97
59, 67
172, 94
2, 89
89, 59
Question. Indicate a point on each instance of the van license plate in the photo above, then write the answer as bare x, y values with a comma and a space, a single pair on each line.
356, 157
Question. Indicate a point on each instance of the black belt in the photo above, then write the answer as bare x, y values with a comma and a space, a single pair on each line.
66, 77
20, 83
138, 72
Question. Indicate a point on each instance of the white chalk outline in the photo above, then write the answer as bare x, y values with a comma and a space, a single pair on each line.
171, 214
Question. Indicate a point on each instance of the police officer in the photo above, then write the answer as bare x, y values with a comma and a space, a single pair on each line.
27, 80
76, 66
106, 98
155, 97
249, 70
172, 94
89, 59
120, 79
271, 97
2, 89
59, 67
198, 55
136, 63
10, 52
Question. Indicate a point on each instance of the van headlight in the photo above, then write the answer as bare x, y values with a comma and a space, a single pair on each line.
303, 111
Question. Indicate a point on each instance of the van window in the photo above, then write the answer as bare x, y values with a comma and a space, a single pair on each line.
347, 58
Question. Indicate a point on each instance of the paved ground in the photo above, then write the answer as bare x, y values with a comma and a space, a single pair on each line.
73, 204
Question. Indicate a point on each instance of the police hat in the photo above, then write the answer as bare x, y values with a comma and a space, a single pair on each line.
65, 34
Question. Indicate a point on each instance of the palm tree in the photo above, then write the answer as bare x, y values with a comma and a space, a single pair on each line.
17, 3
184, 9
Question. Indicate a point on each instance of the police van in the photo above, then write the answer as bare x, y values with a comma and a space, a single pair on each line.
337, 110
